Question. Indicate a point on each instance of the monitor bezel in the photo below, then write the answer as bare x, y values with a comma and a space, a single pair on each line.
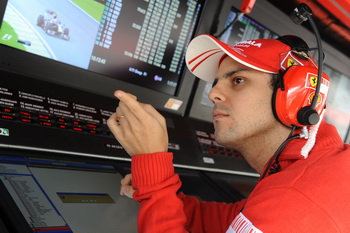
41, 68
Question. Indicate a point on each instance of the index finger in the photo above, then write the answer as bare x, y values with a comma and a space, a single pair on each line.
131, 102
119, 92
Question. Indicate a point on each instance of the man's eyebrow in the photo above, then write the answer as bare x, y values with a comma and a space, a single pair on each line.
230, 73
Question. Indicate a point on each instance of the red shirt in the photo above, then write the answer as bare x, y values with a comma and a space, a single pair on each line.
307, 195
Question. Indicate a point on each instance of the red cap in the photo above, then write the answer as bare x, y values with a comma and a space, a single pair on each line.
205, 53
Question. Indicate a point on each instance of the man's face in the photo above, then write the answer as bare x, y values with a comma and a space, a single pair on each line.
242, 105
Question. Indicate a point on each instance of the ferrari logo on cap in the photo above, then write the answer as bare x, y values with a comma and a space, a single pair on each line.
288, 60
313, 81
291, 62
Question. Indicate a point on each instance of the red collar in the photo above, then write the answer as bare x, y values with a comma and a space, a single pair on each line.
327, 137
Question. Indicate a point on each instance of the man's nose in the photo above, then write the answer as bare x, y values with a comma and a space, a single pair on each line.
216, 95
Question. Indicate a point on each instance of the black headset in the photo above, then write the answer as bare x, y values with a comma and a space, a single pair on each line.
308, 115
302, 111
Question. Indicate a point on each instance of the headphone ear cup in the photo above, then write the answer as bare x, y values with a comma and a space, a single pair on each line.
293, 101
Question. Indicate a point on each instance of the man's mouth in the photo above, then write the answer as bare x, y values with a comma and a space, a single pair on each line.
218, 115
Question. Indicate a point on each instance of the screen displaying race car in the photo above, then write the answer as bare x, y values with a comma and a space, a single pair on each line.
52, 25
140, 42
58, 30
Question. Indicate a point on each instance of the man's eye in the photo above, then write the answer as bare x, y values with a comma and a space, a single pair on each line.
214, 83
238, 80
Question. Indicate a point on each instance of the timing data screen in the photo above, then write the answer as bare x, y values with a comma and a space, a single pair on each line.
245, 28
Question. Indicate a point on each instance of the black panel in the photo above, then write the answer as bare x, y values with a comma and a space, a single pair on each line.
46, 117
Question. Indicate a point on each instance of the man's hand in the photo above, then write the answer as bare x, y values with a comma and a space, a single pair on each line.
138, 127
126, 187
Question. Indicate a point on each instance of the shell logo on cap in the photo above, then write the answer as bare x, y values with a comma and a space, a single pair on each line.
319, 98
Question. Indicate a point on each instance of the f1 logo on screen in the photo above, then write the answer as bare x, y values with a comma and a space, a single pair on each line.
4, 132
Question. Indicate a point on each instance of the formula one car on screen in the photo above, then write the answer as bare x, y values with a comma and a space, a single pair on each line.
52, 25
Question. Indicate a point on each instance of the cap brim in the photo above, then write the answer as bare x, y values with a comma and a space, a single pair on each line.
204, 54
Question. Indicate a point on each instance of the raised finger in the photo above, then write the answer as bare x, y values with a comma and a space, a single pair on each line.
131, 105
127, 117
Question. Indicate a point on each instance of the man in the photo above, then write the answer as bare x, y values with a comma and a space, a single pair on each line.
304, 167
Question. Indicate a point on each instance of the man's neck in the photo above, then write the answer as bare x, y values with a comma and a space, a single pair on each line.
263, 148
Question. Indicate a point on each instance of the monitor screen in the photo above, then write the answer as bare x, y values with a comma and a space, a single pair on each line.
245, 28
140, 42
65, 196
338, 102
104, 45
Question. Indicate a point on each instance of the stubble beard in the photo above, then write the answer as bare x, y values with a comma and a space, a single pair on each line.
227, 137
239, 137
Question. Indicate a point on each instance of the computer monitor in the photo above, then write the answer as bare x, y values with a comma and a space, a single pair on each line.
245, 28
101, 46
48, 194
338, 102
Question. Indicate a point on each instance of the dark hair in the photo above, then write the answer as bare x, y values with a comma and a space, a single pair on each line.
295, 43
274, 80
